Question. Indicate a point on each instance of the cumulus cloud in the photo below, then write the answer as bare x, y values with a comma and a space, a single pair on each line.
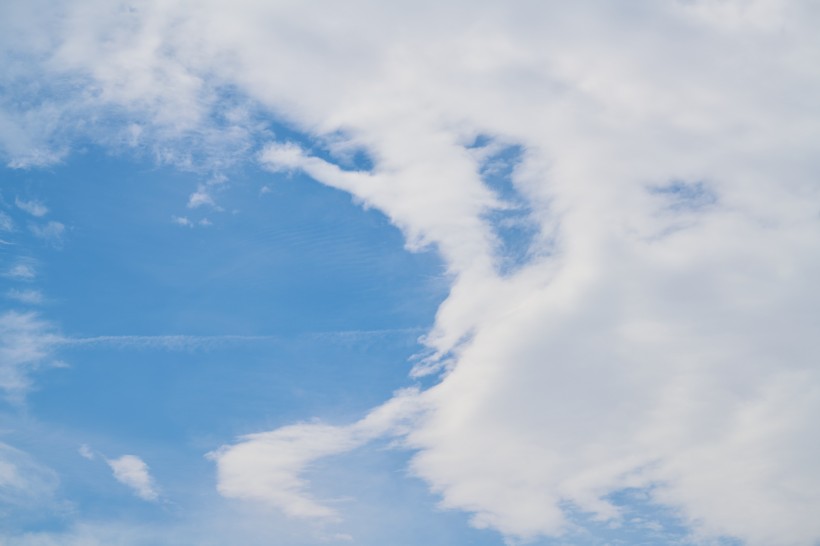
634, 347
200, 198
283, 156
132, 471
658, 331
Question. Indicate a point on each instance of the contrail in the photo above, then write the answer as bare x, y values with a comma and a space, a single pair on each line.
174, 342
191, 342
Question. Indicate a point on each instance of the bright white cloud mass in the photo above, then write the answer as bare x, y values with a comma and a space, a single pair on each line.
132, 471
625, 197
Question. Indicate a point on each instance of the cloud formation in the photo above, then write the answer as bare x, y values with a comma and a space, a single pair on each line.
6, 223
27, 343
659, 331
33, 207
22, 270
132, 471
268, 466
24, 483
51, 231
30, 297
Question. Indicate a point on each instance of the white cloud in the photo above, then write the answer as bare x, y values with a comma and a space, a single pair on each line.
52, 231
269, 466
33, 207
86, 452
200, 198
26, 344
283, 156
132, 471
641, 343
737, 14
22, 271
187, 222
24, 483
31, 297
604, 363
26, 138
6, 223
182, 221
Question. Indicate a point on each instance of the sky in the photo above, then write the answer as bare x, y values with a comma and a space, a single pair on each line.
482, 273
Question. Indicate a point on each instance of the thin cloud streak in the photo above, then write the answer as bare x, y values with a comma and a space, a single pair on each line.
192, 342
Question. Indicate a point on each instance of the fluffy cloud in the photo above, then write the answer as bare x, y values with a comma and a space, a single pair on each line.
268, 466
132, 471
182, 221
200, 198
657, 330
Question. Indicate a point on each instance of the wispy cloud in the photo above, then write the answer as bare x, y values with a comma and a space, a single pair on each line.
52, 231
24, 483
33, 207
6, 223
165, 342
86, 452
27, 343
30, 297
193, 342
24, 271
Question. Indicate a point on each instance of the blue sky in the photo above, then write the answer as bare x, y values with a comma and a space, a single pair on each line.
394, 273
293, 304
